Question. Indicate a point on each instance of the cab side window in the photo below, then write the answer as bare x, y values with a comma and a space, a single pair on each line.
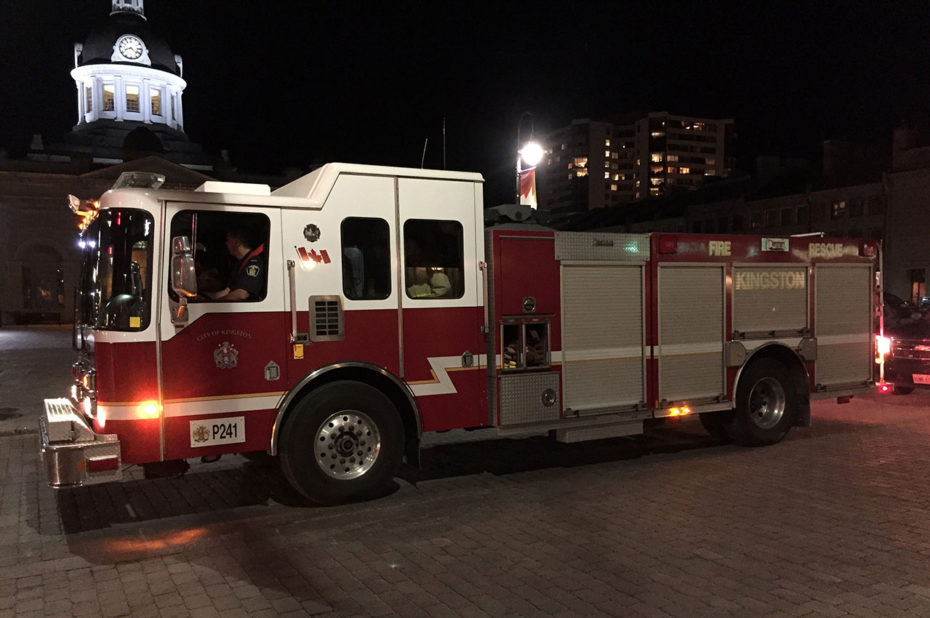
366, 258
433, 259
230, 254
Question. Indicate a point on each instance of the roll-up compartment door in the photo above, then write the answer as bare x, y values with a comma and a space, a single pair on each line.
690, 350
770, 299
603, 360
843, 324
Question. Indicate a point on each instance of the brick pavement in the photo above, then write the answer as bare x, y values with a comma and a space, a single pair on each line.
834, 521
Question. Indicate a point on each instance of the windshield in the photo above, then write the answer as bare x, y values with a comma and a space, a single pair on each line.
116, 276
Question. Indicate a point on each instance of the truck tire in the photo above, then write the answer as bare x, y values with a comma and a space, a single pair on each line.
342, 442
903, 390
766, 404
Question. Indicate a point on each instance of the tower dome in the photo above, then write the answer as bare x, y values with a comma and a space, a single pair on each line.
126, 74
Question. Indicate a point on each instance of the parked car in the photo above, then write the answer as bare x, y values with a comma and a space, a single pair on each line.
907, 365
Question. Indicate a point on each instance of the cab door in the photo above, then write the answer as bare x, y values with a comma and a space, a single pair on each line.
223, 368
441, 300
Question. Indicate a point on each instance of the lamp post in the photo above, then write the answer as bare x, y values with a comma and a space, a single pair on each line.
530, 152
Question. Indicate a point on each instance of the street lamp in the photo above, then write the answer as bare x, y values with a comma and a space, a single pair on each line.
530, 153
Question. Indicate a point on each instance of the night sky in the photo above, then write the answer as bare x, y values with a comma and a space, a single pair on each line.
297, 83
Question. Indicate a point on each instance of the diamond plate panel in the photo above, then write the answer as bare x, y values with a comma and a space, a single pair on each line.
522, 398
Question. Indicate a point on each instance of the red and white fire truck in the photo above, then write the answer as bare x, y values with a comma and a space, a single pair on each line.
386, 309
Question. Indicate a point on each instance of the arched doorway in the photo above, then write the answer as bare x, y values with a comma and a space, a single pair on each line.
43, 285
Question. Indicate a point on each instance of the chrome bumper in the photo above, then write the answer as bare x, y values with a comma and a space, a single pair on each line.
73, 454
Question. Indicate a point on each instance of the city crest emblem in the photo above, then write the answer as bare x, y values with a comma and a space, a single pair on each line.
200, 433
225, 355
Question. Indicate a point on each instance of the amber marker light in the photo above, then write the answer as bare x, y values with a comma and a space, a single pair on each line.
681, 411
149, 409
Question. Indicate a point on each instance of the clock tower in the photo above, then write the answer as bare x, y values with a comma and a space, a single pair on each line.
129, 87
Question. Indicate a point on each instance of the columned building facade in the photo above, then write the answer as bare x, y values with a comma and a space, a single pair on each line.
129, 116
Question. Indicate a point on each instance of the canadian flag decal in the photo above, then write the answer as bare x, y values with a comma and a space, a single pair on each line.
313, 255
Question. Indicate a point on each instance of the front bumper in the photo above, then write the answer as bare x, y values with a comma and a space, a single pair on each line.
73, 454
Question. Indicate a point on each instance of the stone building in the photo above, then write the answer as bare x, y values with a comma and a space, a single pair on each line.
129, 108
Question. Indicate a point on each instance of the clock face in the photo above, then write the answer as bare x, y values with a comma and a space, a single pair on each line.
130, 47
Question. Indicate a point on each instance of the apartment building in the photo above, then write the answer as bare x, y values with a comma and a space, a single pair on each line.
594, 164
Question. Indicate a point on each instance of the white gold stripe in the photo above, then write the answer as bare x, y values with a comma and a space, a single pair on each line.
681, 349
132, 412
604, 354
841, 339
221, 406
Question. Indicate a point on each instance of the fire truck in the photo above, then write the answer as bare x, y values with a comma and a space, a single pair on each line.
386, 308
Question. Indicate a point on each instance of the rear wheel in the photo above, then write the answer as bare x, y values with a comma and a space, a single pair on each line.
766, 404
903, 390
342, 442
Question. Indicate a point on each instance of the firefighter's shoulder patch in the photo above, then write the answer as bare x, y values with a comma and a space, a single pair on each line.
253, 270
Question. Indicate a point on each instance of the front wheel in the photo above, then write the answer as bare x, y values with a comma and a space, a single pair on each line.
342, 442
766, 404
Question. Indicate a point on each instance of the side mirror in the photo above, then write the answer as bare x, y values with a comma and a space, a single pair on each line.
183, 273
183, 277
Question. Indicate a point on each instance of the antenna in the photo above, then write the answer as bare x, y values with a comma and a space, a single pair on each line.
423, 158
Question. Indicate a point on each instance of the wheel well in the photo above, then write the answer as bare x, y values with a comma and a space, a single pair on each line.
390, 386
797, 374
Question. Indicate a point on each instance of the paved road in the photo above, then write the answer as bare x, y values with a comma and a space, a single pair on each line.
833, 521
35, 362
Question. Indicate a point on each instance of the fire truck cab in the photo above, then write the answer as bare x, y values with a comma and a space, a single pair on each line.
381, 308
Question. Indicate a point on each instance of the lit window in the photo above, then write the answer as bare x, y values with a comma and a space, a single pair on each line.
606, 175
672, 169
653, 190
132, 98
656, 181
656, 157
657, 134
614, 155
673, 158
88, 99
698, 126
637, 183
613, 187
607, 142
581, 172
570, 165
607, 164
684, 170
657, 169
607, 153
838, 209
581, 161
109, 96
156, 103
711, 161
616, 176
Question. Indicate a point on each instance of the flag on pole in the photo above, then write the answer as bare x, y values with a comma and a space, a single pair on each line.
528, 187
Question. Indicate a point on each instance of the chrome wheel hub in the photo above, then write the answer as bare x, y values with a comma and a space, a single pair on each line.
347, 445
767, 403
